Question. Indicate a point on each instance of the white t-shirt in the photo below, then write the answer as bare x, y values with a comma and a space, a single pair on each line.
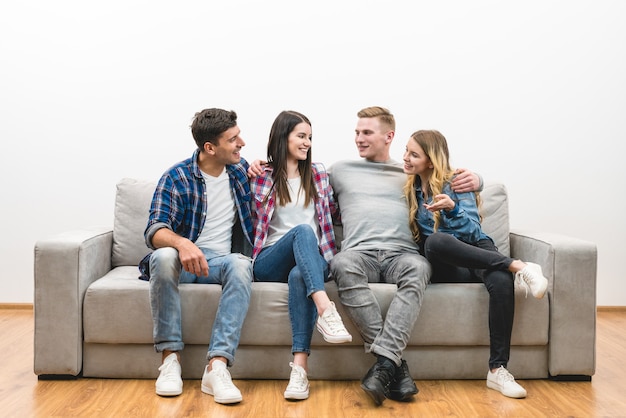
216, 235
292, 214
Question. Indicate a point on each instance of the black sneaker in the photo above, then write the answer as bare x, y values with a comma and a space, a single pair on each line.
402, 388
376, 381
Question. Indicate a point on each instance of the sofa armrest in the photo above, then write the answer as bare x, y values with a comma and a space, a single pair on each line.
65, 265
570, 264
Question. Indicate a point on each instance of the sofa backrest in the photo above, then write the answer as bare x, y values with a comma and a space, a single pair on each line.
132, 206
495, 212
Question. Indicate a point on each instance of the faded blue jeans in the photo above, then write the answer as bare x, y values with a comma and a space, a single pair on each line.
295, 259
353, 270
232, 271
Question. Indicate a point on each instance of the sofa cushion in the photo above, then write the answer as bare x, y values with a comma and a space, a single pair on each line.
267, 321
132, 207
495, 212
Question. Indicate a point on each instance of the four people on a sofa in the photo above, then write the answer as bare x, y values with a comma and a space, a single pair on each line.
202, 203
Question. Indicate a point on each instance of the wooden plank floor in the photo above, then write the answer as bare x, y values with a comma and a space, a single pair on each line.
22, 395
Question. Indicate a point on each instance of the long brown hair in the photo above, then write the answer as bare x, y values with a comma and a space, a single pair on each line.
277, 153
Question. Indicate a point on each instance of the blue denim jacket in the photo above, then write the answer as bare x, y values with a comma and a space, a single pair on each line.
463, 221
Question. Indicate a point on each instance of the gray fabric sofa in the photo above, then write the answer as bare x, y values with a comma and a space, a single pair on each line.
92, 313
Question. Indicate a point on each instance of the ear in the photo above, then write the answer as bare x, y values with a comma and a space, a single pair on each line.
209, 148
389, 137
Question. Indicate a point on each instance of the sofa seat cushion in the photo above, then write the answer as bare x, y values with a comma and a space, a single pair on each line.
116, 310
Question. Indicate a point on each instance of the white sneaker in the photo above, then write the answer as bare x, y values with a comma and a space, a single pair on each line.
532, 277
218, 383
330, 325
505, 383
298, 387
169, 382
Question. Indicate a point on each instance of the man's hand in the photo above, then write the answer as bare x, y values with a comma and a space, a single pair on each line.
192, 258
256, 168
465, 181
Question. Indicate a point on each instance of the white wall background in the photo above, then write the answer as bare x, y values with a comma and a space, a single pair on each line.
530, 93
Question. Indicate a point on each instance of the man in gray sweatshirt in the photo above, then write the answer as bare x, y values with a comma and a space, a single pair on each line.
377, 247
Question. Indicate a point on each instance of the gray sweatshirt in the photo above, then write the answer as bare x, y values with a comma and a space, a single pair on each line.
374, 212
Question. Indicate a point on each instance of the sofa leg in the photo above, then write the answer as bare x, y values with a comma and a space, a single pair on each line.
571, 378
57, 377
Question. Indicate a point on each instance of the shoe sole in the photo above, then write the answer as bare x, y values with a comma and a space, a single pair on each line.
296, 396
497, 387
333, 340
541, 292
169, 393
209, 391
376, 396
402, 397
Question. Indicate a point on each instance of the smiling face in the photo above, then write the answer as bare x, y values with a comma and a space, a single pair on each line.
416, 162
373, 139
228, 148
299, 142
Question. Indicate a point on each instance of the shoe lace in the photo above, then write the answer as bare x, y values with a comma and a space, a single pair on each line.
521, 281
224, 378
333, 321
169, 372
403, 372
297, 378
504, 375
384, 374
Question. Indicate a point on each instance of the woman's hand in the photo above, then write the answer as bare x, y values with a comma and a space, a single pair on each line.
441, 202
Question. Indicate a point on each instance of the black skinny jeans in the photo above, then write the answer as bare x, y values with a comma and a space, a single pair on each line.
454, 261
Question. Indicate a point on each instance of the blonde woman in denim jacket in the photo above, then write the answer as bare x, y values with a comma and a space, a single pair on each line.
447, 227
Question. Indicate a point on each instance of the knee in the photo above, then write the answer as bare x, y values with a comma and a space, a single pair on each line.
164, 264
305, 233
436, 241
342, 262
239, 269
303, 229
415, 270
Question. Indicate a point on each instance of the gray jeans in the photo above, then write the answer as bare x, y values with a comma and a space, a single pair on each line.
353, 270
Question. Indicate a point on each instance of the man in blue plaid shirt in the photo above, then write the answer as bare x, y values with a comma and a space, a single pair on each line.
199, 217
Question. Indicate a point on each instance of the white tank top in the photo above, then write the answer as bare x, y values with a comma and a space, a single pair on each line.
292, 214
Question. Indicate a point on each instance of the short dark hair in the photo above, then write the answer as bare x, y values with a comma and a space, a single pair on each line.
209, 124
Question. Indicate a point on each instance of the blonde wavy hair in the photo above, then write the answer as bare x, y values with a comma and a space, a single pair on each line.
435, 146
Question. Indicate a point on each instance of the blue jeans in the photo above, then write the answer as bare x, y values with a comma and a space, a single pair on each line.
454, 261
295, 259
354, 270
232, 271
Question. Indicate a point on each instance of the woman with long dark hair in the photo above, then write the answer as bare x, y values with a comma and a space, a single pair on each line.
294, 239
